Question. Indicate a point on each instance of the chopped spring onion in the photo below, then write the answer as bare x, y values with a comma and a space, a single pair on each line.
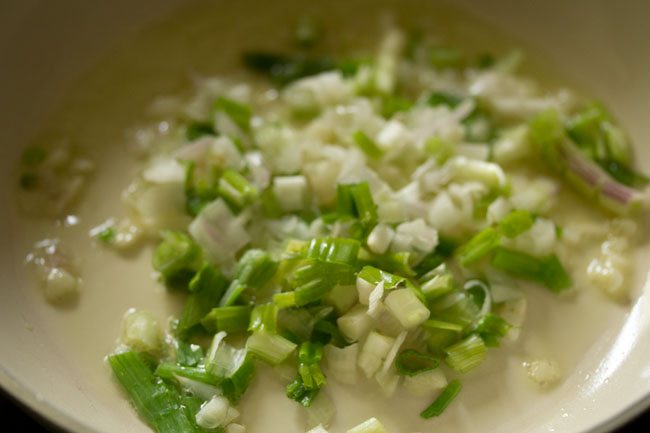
355, 324
547, 270
309, 357
374, 276
516, 223
230, 319
219, 233
239, 113
285, 299
380, 238
206, 289
199, 390
467, 354
329, 224
492, 328
441, 150
334, 250
298, 392
264, 317
342, 297
283, 70
168, 370
459, 308
443, 401
342, 362
271, 348
364, 204
439, 283
196, 130
149, 395
290, 192
407, 308
547, 132
234, 366
367, 145
236, 189
426, 383
255, 268
142, 332
216, 413
188, 354
410, 362
479, 246
177, 258
443, 98
373, 353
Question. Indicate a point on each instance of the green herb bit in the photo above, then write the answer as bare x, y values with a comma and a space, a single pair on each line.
285, 69
271, 348
106, 235
547, 270
444, 98
309, 357
410, 362
231, 319
397, 263
235, 385
198, 191
196, 130
285, 299
492, 329
463, 310
516, 223
479, 246
334, 250
367, 145
189, 355
255, 268
177, 258
392, 105
467, 354
169, 370
444, 250
366, 209
443, 400
264, 317
298, 392
236, 189
479, 126
441, 335
151, 398
239, 113
375, 275
439, 284
234, 367
206, 288
623, 174
439, 149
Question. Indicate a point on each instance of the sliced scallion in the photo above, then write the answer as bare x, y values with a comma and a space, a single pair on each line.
442, 401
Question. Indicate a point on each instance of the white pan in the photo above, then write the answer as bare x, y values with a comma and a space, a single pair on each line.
87, 60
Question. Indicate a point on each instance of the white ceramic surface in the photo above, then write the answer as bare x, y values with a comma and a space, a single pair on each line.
51, 358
